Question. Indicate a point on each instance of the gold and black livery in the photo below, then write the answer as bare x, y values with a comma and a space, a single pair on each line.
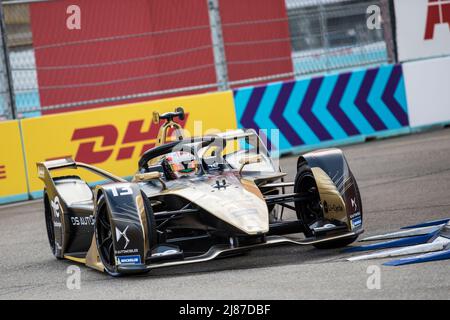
195, 199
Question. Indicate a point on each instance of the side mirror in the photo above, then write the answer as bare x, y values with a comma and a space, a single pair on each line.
257, 158
147, 176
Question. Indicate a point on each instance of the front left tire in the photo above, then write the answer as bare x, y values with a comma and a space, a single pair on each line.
104, 237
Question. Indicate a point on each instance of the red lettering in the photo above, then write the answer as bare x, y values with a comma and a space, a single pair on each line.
2, 172
135, 133
438, 13
146, 147
86, 151
125, 153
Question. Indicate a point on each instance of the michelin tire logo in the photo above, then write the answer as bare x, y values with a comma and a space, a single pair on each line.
129, 259
356, 222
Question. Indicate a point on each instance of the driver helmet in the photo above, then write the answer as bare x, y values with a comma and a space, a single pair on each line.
181, 164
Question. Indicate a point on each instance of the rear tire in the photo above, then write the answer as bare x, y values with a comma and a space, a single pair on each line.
48, 213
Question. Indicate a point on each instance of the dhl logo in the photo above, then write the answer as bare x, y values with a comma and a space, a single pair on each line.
136, 134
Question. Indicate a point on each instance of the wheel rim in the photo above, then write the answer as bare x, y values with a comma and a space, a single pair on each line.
105, 243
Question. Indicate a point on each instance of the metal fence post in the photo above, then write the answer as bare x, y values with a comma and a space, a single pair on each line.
218, 46
324, 32
389, 28
5, 66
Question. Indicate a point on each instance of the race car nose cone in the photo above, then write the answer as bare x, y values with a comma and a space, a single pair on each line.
250, 220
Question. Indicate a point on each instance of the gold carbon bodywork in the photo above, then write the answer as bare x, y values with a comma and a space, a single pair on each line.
164, 130
242, 207
143, 218
331, 199
93, 258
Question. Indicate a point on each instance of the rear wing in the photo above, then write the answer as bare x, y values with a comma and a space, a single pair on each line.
44, 169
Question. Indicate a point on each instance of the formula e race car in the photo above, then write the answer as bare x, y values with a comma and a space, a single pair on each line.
196, 199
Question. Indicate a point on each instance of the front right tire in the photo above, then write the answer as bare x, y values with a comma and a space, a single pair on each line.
104, 234
311, 211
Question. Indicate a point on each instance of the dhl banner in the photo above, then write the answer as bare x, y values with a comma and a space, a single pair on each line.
13, 184
114, 138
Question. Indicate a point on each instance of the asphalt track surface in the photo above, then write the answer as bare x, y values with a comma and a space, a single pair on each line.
403, 181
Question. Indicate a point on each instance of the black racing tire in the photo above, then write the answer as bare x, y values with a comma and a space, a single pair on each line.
48, 213
104, 237
308, 211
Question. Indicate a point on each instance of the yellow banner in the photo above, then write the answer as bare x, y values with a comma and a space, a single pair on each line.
13, 184
114, 138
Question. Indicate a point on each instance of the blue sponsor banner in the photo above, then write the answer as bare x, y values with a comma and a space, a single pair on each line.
326, 109
356, 222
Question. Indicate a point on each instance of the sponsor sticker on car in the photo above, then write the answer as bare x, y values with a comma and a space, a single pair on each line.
356, 222
129, 259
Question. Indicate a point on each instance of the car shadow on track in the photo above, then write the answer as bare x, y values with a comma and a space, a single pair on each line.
255, 259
